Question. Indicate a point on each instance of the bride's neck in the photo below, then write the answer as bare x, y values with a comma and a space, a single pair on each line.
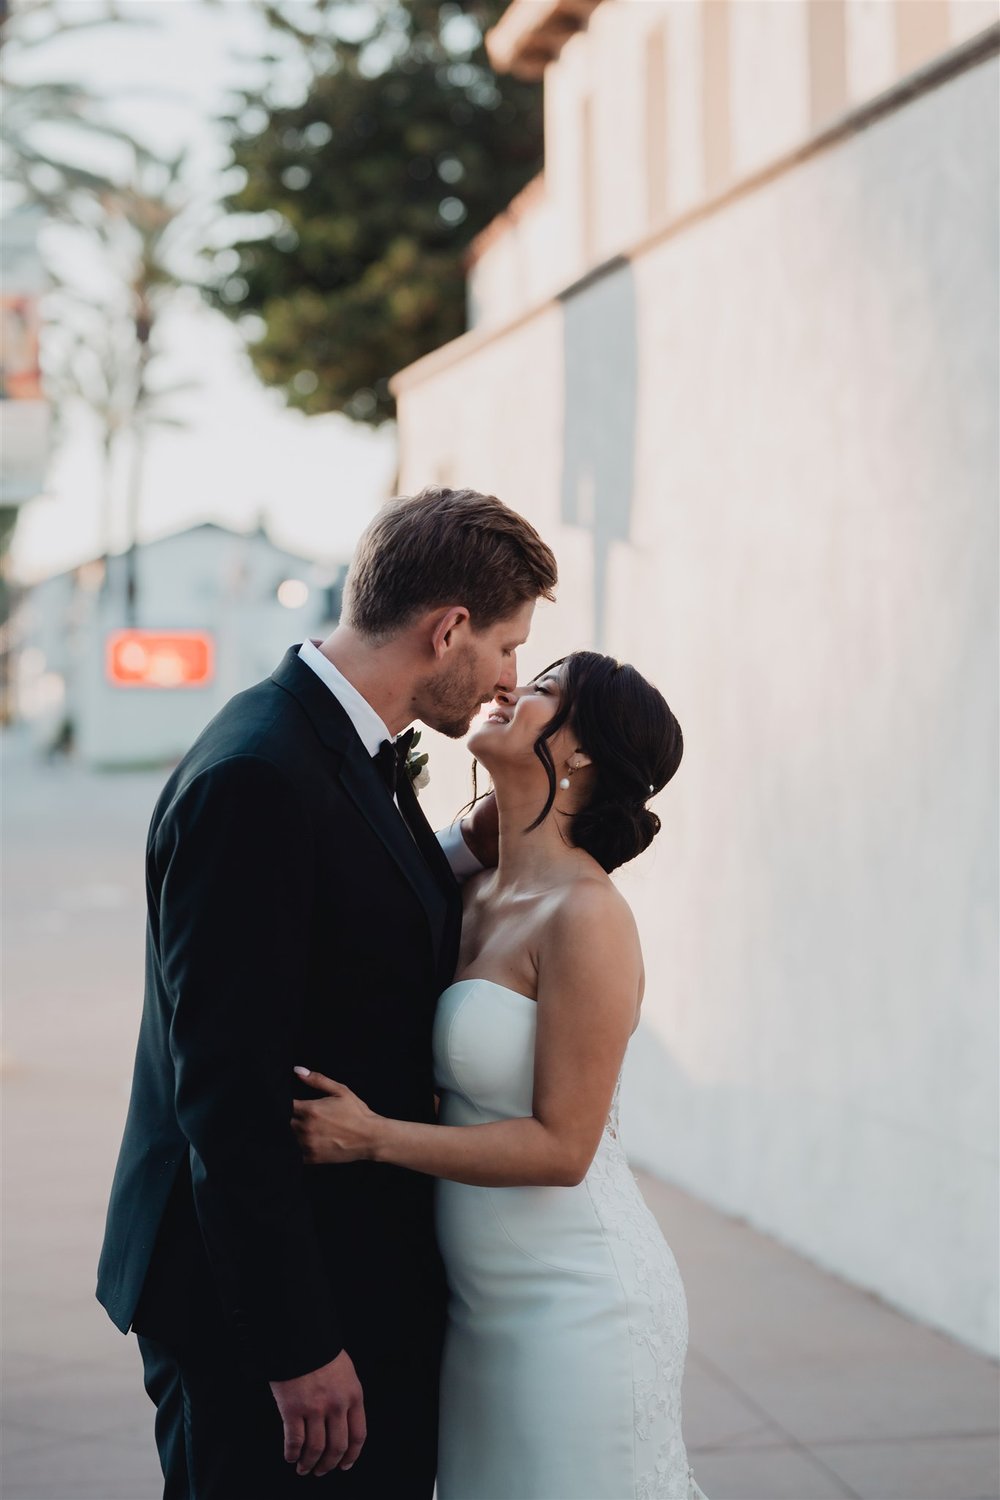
529, 857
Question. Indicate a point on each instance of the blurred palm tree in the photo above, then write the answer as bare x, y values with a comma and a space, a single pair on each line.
147, 228
103, 347
43, 110
137, 224
28, 110
95, 361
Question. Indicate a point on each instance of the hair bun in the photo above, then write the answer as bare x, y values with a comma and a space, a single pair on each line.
615, 831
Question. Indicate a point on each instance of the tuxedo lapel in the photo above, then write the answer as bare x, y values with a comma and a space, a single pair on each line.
425, 836
435, 858
325, 713
362, 782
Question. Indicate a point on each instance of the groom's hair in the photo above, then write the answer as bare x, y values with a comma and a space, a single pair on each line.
445, 547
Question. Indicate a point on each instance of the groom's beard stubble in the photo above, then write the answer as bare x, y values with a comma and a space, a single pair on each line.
453, 701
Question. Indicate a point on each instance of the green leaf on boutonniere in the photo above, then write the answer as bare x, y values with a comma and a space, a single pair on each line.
416, 765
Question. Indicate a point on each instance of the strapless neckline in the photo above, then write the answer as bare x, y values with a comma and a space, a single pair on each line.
503, 988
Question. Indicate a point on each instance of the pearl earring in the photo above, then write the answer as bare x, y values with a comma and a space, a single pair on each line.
564, 784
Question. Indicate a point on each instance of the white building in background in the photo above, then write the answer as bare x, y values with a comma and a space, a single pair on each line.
217, 610
735, 354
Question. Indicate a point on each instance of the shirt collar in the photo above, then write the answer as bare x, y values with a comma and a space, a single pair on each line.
370, 728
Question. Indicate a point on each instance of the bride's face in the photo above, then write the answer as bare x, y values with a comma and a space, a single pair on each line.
506, 737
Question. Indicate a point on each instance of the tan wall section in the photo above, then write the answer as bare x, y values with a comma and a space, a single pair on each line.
716, 94
923, 30
827, 23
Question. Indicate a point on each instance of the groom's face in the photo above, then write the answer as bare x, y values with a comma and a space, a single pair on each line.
483, 662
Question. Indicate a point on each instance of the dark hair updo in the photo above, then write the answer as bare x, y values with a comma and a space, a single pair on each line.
634, 743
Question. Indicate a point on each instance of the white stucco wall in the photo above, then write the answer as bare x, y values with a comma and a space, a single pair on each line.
806, 564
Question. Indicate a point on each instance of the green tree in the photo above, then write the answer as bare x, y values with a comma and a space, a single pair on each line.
367, 193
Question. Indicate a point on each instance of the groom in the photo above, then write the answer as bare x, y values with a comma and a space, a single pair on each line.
301, 909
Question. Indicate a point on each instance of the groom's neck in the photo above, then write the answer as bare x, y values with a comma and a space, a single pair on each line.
381, 672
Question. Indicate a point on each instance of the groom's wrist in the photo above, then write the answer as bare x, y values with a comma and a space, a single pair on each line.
380, 1144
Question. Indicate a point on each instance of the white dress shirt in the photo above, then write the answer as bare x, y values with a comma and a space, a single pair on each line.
371, 731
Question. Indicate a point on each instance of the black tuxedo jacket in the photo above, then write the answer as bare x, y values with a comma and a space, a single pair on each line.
292, 919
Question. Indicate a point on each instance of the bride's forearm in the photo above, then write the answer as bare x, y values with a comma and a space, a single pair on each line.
502, 1153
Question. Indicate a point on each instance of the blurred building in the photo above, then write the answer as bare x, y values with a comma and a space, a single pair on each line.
735, 354
217, 610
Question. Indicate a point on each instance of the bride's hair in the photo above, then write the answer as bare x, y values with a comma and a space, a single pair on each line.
634, 743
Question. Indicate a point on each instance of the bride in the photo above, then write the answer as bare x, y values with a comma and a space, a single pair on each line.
567, 1322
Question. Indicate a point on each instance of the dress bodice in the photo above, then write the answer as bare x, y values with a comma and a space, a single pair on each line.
484, 1049
484, 1053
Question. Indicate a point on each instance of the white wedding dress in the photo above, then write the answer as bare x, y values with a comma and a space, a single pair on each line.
567, 1321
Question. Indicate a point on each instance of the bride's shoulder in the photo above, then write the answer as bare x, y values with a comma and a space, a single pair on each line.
589, 947
589, 905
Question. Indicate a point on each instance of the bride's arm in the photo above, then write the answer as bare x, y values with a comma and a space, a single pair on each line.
588, 989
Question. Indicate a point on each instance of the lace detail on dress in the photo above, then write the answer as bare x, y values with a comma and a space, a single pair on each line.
611, 1125
657, 1314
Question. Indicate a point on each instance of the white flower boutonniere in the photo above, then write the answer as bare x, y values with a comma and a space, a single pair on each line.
416, 766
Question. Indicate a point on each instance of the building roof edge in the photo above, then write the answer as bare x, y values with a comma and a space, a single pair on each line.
531, 33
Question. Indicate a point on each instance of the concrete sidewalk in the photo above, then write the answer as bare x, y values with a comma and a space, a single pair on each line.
798, 1386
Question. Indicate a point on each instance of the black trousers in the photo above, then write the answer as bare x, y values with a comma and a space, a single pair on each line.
219, 1434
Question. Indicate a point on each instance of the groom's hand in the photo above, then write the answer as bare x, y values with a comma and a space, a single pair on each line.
324, 1417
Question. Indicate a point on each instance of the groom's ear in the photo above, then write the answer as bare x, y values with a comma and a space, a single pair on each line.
445, 624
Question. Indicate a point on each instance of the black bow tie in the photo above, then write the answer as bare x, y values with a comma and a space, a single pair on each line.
390, 759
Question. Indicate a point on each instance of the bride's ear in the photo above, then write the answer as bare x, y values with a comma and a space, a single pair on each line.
578, 760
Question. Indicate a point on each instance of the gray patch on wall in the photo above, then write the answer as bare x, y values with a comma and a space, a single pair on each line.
600, 382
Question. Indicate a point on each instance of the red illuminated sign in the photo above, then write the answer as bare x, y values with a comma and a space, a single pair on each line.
160, 659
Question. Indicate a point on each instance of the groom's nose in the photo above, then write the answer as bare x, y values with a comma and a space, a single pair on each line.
507, 681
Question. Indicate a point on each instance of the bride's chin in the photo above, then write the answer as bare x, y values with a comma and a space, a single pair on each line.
474, 745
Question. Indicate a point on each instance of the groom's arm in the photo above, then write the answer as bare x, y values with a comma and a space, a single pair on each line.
236, 857
472, 844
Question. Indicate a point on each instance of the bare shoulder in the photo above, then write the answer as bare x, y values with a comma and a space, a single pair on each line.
592, 913
589, 957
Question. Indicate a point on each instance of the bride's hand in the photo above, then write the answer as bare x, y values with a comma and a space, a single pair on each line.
337, 1128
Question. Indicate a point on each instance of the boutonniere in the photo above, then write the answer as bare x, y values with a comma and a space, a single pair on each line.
416, 765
